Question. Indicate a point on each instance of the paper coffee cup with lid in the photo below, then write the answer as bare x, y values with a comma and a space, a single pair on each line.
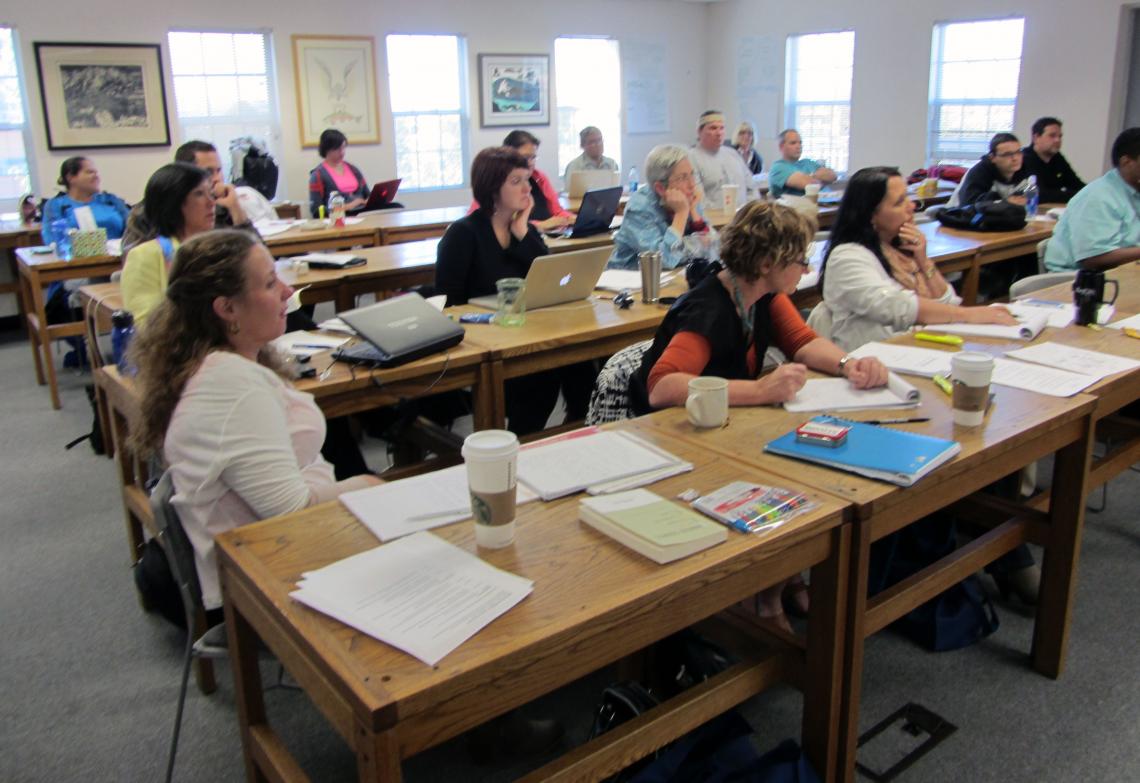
970, 372
492, 457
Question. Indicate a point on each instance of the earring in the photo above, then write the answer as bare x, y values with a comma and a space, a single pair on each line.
234, 327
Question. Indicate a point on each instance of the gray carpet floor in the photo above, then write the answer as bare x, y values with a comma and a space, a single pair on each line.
89, 681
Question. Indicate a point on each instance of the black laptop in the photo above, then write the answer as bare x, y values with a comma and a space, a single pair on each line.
397, 331
596, 212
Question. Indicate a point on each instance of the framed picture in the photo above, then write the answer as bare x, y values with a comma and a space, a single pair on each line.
335, 76
514, 89
102, 95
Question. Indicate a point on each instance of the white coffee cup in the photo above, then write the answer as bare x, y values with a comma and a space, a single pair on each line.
707, 403
492, 478
970, 373
812, 192
731, 194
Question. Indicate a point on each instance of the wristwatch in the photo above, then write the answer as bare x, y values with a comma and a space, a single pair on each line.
844, 361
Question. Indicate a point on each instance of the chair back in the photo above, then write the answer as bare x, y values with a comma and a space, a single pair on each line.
610, 399
1027, 285
1041, 246
179, 551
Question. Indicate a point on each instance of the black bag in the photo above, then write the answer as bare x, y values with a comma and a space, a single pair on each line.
96, 434
956, 618
984, 216
156, 585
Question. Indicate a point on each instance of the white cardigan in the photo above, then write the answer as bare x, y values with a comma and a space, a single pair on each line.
242, 445
862, 302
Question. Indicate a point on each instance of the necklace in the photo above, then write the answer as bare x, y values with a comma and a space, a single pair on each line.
741, 310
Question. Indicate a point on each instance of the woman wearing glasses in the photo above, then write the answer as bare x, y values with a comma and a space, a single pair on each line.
662, 213
724, 326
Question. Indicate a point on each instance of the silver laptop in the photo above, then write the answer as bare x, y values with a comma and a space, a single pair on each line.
558, 278
581, 181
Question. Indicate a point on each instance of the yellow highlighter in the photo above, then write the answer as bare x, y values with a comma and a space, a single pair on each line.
945, 339
943, 383
1128, 330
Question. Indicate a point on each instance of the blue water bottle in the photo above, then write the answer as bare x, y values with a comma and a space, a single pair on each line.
122, 330
62, 239
1032, 197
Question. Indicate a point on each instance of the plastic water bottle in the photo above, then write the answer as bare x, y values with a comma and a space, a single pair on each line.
336, 209
1032, 197
59, 232
122, 331
632, 179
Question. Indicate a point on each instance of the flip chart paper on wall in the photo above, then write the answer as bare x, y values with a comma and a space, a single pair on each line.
644, 70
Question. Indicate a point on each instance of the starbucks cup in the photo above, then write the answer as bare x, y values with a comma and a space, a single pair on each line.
971, 372
492, 461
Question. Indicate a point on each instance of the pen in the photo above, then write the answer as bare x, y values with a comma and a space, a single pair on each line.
943, 383
451, 512
946, 339
312, 346
915, 420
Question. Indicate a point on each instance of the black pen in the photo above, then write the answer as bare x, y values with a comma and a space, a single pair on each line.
896, 421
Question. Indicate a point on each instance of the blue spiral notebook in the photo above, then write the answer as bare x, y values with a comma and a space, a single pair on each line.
882, 453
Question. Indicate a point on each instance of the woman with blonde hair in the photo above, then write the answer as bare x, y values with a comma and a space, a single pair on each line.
241, 444
744, 142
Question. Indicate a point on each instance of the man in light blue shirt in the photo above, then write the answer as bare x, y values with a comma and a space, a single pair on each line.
1100, 228
591, 159
791, 173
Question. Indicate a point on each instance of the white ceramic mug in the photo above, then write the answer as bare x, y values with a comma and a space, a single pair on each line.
707, 403
812, 192
492, 478
970, 373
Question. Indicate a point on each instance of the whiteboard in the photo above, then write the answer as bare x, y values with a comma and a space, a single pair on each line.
644, 71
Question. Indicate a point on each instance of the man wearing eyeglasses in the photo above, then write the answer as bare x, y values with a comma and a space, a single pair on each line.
995, 177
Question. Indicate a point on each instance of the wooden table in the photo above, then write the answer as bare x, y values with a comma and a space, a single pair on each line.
410, 225
297, 241
594, 603
1022, 428
14, 234
37, 272
991, 247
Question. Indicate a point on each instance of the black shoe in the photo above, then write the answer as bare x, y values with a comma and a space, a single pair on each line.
512, 736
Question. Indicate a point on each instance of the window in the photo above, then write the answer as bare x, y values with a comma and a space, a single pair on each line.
818, 94
223, 88
588, 86
425, 75
15, 173
974, 68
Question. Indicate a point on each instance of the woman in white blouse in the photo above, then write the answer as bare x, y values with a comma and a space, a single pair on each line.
241, 443
876, 280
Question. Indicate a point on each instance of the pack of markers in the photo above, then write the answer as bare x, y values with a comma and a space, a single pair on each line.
753, 508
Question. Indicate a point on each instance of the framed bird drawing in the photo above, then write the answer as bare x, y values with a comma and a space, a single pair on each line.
335, 78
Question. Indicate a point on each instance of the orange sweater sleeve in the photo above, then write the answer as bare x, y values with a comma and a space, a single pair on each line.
687, 352
789, 331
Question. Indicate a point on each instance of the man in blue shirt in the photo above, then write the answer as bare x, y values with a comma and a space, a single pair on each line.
791, 174
1100, 228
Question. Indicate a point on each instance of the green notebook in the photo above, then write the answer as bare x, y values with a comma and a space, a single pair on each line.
660, 529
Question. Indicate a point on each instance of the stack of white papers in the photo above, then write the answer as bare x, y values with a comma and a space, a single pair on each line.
837, 394
1092, 363
1031, 322
629, 279
1133, 322
330, 260
336, 325
307, 343
269, 228
594, 460
1059, 314
419, 594
410, 505
907, 359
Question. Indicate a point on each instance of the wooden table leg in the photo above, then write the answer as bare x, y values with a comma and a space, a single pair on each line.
27, 287
1059, 569
247, 686
853, 647
43, 337
492, 395
824, 680
971, 280
377, 756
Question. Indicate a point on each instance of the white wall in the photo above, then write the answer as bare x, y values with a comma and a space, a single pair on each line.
491, 26
1067, 68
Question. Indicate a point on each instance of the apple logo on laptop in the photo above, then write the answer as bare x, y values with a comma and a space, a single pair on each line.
566, 280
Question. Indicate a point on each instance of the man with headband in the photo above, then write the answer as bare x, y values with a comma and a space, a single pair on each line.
791, 174
717, 165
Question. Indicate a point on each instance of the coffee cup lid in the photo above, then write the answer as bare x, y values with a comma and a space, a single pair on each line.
972, 360
490, 444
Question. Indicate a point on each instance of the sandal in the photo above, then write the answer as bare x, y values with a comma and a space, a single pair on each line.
796, 597
769, 607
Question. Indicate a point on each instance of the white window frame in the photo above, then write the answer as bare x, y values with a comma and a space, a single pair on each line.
462, 111
188, 125
12, 205
616, 132
967, 153
792, 106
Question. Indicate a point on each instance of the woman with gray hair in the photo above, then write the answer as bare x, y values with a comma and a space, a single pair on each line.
660, 214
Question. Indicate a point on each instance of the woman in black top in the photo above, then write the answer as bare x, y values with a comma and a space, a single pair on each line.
495, 241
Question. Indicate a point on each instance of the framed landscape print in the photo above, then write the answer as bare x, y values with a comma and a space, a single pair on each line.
102, 95
514, 89
335, 78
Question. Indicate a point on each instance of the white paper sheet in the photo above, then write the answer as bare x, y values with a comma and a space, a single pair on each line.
1132, 322
308, 343
837, 394
1095, 363
419, 594
1030, 325
629, 279
271, 228
1059, 314
399, 508
1039, 378
907, 359
565, 465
